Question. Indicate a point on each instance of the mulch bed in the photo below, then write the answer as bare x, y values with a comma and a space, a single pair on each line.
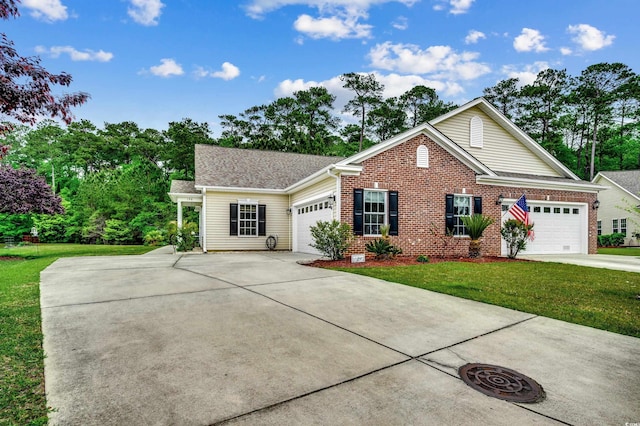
405, 260
2, 258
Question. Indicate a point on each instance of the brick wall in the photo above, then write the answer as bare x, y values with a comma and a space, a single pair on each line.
422, 199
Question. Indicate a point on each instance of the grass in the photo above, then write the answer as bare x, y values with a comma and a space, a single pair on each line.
22, 397
599, 298
620, 251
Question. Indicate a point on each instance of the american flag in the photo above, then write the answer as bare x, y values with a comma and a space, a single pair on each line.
520, 211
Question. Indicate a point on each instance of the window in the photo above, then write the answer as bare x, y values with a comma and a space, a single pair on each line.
247, 219
566, 210
614, 225
374, 211
422, 157
576, 211
458, 206
536, 209
461, 208
623, 226
476, 132
547, 209
599, 227
556, 210
371, 209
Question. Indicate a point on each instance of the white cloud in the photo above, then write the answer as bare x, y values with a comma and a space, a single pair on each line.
145, 12
76, 55
527, 74
228, 72
566, 51
336, 19
590, 38
167, 68
395, 85
333, 27
456, 7
401, 23
440, 61
259, 8
46, 10
474, 36
529, 40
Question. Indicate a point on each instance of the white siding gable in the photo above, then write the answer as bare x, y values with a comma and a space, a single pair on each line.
500, 151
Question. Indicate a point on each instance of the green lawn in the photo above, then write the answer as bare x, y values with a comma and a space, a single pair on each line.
621, 251
22, 398
593, 297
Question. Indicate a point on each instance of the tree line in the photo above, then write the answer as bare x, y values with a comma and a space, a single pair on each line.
113, 181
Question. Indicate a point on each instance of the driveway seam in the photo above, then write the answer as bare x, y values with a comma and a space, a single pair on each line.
300, 310
267, 407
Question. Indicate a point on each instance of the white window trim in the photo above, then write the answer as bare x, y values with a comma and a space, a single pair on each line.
470, 196
249, 202
364, 212
625, 225
615, 228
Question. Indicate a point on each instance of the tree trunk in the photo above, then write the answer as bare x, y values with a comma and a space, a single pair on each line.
593, 148
475, 249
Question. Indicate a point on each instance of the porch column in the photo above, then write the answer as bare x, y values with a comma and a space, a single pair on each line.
179, 214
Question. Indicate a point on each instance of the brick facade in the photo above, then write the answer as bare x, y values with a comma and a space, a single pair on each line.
422, 194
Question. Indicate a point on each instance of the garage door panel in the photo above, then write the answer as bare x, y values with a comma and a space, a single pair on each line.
558, 228
307, 216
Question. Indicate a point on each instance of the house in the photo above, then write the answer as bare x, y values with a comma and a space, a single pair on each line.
619, 209
420, 182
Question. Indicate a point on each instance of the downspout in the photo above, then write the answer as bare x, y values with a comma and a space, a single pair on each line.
290, 225
337, 194
203, 229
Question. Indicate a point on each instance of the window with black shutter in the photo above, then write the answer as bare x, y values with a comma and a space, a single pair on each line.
374, 208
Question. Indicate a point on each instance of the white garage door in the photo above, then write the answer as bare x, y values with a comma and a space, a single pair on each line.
306, 216
559, 228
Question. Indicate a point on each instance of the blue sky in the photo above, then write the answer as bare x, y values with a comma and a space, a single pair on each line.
156, 61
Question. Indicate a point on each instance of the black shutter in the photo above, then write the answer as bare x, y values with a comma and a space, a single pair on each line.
233, 219
393, 212
262, 220
448, 213
358, 212
477, 205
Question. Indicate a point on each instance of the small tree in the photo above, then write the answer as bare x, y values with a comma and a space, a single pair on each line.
331, 238
476, 224
516, 234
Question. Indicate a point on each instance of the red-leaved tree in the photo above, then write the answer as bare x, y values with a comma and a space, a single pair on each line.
26, 95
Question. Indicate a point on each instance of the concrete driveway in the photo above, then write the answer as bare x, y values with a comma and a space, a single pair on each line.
256, 338
606, 261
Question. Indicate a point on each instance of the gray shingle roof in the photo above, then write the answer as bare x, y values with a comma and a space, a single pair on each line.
183, 187
628, 179
540, 177
250, 168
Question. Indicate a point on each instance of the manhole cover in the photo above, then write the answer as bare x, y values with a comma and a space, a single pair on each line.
502, 383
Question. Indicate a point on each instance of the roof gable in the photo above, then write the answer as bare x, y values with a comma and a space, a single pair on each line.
627, 180
223, 167
506, 148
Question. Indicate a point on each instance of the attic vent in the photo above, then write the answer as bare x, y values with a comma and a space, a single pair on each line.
423, 157
476, 132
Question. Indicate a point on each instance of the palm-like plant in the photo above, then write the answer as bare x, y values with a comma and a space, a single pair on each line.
476, 224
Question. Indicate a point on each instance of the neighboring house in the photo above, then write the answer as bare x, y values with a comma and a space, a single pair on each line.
619, 204
421, 182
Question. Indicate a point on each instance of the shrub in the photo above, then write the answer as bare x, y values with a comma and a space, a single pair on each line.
423, 259
155, 237
382, 248
611, 240
476, 224
516, 234
184, 239
332, 238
